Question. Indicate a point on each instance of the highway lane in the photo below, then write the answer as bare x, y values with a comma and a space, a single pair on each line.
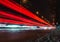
21, 36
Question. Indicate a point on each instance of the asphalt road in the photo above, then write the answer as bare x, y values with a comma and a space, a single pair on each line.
21, 36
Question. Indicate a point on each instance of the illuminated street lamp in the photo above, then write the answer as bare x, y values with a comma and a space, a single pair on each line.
37, 12
24, 1
42, 16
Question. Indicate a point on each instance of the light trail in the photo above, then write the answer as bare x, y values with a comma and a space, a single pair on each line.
9, 15
22, 10
2, 20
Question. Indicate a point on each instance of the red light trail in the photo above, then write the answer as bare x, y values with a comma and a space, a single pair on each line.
2, 20
9, 15
22, 10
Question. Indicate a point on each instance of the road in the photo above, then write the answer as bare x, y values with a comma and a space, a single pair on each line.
21, 36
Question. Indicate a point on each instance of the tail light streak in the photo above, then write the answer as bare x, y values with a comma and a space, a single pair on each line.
22, 10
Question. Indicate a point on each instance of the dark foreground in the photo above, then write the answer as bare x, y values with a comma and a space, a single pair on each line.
22, 36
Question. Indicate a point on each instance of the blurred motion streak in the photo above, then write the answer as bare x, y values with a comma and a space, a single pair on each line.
2, 20
22, 10
19, 18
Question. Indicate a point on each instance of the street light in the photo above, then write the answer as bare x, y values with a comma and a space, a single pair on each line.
37, 12
42, 16
24, 1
